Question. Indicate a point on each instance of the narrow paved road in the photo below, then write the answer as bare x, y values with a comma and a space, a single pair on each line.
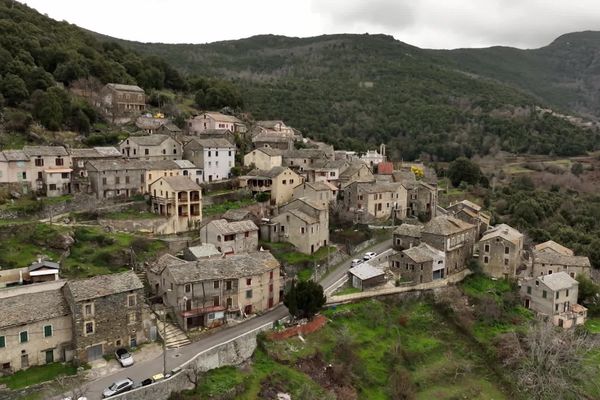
176, 357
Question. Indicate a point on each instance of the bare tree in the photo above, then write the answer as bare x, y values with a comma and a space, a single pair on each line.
553, 363
193, 373
71, 387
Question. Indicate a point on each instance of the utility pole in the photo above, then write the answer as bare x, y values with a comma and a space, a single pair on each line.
164, 342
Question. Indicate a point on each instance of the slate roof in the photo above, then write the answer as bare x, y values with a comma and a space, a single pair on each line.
202, 251
27, 308
126, 88
103, 285
504, 231
148, 140
352, 169
558, 281
446, 225
409, 230
269, 124
421, 253
305, 153
42, 264
236, 214
164, 261
318, 186
271, 173
179, 183
45, 151
378, 187
150, 122
15, 155
551, 245
171, 127
217, 143
271, 136
365, 271
329, 164
95, 152
551, 257
117, 165
271, 152
220, 117
184, 164
229, 228
231, 267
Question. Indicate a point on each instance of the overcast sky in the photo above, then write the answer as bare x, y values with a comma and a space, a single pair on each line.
423, 23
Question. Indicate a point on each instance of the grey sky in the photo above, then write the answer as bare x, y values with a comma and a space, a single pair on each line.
423, 23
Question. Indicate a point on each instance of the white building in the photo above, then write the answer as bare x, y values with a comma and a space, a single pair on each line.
215, 157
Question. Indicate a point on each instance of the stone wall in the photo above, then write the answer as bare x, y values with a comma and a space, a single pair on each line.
232, 352
150, 225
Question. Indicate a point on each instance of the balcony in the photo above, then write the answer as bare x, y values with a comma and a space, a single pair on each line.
193, 312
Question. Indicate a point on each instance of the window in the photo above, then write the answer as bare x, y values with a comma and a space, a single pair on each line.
209, 153
188, 287
486, 260
39, 162
117, 180
127, 179
248, 281
506, 261
2, 342
216, 284
556, 307
246, 234
23, 337
131, 318
146, 151
557, 294
528, 289
284, 181
216, 153
59, 162
229, 153
567, 294
486, 248
228, 285
131, 300
216, 301
506, 250
164, 151
88, 310
249, 294
544, 294
52, 186
47, 330
537, 283
291, 181
302, 230
88, 328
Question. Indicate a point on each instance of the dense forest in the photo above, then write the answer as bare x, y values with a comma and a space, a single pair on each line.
360, 90
41, 58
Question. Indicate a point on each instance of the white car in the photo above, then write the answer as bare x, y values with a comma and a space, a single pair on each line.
124, 357
356, 262
118, 387
79, 398
369, 255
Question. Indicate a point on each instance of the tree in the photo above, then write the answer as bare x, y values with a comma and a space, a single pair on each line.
13, 89
577, 169
589, 294
17, 121
463, 170
304, 299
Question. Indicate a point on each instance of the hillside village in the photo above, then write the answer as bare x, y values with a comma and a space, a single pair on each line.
295, 193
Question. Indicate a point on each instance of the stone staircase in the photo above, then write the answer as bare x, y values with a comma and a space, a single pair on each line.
174, 337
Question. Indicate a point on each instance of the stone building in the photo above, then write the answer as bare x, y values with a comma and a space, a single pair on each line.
273, 141
452, 236
15, 171
35, 329
322, 193
471, 213
79, 176
180, 200
208, 292
551, 245
355, 172
367, 201
547, 262
116, 178
554, 296
231, 237
326, 171
419, 264
117, 99
500, 251
263, 158
422, 198
214, 121
163, 168
279, 182
301, 159
151, 148
215, 157
107, 314
49, 169
365, 276
407, 236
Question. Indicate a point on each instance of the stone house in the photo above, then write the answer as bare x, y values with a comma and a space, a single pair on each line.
547, 262
365, 276
551, 245
419, 264
372, 158
472, 213
107, 314
205, 250
180, 200
500, 251
302, 223
355, 172
406, 236
322, 193
15, 170
422, 198
278, 181
301, 159
273, 141
35, 329
554, 296
151, 148
116, 178
275, 126
149, 124
49, 169
454, 237
79, 176
231, 237
163, 168
117, 99
326, 171
214, 121
215, 157
169, 129
263, 158
367, 201
207, 293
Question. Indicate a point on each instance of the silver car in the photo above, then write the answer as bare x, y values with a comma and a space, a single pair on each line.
118, 387
124, 357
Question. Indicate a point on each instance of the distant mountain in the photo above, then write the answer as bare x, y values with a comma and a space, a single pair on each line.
360, 90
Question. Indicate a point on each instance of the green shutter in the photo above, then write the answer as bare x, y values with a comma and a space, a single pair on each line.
47, 330
24, 337
2, 342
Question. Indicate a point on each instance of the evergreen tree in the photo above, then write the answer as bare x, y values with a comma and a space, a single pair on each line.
304, 299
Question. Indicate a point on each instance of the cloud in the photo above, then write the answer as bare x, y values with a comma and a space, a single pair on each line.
385, 14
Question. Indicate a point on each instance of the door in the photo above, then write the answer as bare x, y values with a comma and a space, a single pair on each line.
270, 302
24, 361
94, 352
133, 341
526, 303
49, 356
248, 310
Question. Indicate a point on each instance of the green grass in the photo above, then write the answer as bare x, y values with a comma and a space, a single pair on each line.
21, 244
130, 214
479, 285
37, 374
593, 325
348, 290
305, 274
221, 208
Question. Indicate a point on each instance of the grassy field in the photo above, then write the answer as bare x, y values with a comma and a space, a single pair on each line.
221, 208
130, 214
593, 325
37, 374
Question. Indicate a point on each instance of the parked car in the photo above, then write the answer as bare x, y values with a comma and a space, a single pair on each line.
71, 398
369, 255
124, 357
147, 381
118, 387
356, 261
